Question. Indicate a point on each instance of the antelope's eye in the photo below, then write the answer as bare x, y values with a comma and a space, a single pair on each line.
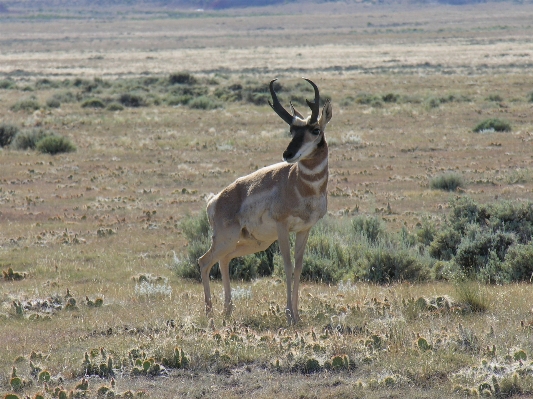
316, 131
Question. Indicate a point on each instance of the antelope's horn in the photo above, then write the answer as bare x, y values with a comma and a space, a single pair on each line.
315, 105
276, 106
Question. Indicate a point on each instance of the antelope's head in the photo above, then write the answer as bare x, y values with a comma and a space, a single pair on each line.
307, 133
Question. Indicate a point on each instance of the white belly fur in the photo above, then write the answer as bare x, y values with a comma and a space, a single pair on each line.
256, 215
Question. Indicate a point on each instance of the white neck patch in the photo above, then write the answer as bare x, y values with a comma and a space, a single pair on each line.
316, 170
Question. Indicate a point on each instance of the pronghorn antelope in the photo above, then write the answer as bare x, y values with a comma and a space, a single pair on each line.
290, 196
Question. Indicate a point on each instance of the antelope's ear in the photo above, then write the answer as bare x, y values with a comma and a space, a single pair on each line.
327, 113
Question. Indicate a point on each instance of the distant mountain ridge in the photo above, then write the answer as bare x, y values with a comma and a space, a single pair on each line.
8, 5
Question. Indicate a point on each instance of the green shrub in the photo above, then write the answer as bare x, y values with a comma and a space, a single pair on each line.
7, 84
449, 98
28, 139
26, 104
372, 228
426, 232
53, 103
150, 81
493, 125
54, 145
7, 133
191, 91
259, 94
391, 97
203, 102
365, 98
64, 97
319, 270
494, 97
86, 86
465, 211
385, 264
529, 97
266, 260
132, 100
93, 103
347, 101
43, 84
432, 102
327, 257
519, 262
244, 268
487, 242
230, 93
507, 216
257, 98
516, 218
188, 268
447, 182
196, 228
178, 100
182, 78
479, 245
368, 99
445, 243
115, 107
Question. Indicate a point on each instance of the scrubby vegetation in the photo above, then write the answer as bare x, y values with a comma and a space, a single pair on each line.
493, 125
42, 140
448, 182
27, 139
26, 104
54, 144
7, 133
404, 293
205, 93
488, 243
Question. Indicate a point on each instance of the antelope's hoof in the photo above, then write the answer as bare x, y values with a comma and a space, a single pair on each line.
290, 318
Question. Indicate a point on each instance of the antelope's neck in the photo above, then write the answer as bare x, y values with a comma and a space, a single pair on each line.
313, 173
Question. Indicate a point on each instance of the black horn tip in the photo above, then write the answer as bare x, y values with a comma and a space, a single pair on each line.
311, 82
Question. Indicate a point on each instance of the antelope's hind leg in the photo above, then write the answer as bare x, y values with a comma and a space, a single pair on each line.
243, 248
222, 245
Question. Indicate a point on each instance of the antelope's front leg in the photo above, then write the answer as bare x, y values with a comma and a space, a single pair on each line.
224, 271
299, 249
285, 249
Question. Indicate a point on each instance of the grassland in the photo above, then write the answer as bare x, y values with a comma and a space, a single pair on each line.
93, 236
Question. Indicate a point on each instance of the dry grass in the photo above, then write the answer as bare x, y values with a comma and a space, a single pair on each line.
91, 221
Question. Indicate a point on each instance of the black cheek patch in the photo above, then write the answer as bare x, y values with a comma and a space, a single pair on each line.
321, 142
295, 144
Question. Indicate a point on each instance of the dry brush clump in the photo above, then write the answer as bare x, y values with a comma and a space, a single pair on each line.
361, 249
41, 140
492, 125
489, 243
